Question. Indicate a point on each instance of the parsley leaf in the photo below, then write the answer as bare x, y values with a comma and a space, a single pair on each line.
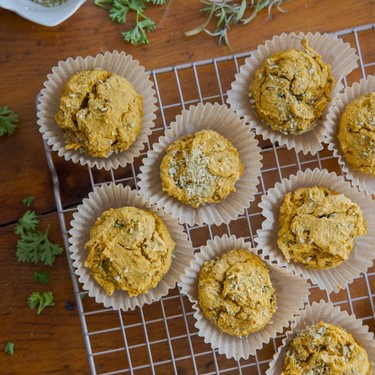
40, 300
27, 201
9, 348
34, 247
119, 10
8, 120
41, 277
27, 223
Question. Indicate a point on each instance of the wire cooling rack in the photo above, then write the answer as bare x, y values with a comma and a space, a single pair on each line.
161, 338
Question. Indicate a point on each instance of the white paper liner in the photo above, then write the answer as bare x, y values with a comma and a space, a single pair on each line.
360, 259
326, 312
114, 62
334, 52
115, 196
364, 181
223, 120
291, 292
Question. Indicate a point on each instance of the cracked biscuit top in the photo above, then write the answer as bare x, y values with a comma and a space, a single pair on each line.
325, 349
100, 113
236, 294
357, 133
318, 226
200, 168
129, 249
292, 89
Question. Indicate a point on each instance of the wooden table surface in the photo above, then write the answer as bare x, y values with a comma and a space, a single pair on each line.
53, 342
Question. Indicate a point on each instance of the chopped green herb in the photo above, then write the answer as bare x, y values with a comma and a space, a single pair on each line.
27, 201
40, 300
27, 223
34, 247
41, 277
8, 121
118, 224
9, 348
118, 11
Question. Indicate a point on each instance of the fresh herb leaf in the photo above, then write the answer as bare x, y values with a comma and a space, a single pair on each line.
119, 10
9, 348
34, 247
118, 224
27, 201
40, 300
27, 223
41, 277
230, 12
8, 121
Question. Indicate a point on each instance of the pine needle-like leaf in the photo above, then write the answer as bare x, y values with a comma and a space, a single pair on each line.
229, 12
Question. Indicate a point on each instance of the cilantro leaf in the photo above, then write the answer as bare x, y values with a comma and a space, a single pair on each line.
147, 24
27, 201
9, 348
40, 300
27, 223
8, 121
34, 247
41, 277
119, 10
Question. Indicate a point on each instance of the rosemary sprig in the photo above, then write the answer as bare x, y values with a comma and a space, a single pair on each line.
230, 12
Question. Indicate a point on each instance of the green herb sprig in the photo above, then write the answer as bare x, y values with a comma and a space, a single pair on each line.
41, 277
8, 121
34, 246
41, 300
119, 10
230, 12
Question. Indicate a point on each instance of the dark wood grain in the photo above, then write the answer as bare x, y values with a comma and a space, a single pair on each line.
53, 342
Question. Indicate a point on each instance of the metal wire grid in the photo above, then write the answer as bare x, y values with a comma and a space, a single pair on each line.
161, 338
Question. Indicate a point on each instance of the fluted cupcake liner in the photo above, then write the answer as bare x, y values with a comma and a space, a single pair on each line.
334, 52
326, 312
291, 293
335, 110
113, 62
224, 121
115, 196
360, 259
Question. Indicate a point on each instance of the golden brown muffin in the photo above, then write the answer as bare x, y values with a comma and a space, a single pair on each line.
201, 168
236, 294
129, 249
292, 89
317, 227
325, 349
357, 133
100, 113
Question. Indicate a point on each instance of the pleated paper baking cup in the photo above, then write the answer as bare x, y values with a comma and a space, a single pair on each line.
335, 110
331, 279
115, 196
334, 52
326, 312
113, 62
224, 121
291, 293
